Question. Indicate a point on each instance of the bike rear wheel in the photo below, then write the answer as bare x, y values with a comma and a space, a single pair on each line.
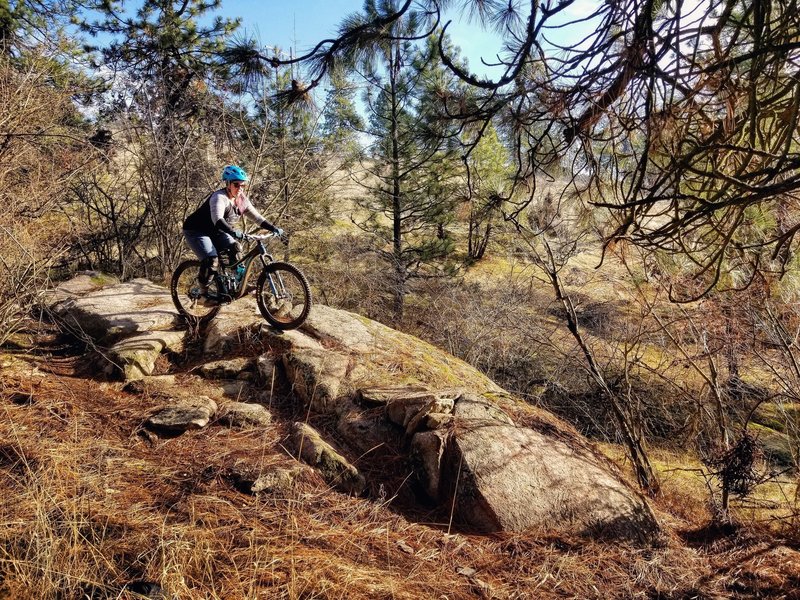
283, 295
187, 296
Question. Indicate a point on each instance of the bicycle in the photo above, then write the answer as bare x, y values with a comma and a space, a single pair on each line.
282, 291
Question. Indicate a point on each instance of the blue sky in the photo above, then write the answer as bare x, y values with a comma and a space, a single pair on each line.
300, 24
297, 25
290, 23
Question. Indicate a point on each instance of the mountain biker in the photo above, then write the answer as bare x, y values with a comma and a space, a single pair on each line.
208, 229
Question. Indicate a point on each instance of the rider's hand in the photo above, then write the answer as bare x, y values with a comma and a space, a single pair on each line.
279, 232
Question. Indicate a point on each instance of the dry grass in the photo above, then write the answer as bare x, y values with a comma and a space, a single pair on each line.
93, 505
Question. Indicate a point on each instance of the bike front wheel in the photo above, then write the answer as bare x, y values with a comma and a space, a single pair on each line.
283, 295
187, 294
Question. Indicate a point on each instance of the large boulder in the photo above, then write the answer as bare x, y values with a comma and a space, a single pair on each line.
117, 311
509, 478
392, 395
468, 454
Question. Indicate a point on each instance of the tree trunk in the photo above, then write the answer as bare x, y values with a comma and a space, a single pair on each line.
631, 434
397, 206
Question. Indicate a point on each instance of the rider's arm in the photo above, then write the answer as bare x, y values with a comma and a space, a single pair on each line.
217, 204
270, 227
222, 225
251, 213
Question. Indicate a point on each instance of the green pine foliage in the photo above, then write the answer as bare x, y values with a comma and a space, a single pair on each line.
341, 120
413, 160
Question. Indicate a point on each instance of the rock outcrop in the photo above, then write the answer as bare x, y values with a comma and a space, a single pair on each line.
318, 453
379, 392
116, 311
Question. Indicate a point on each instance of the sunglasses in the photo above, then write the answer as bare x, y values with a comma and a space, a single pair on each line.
238, 184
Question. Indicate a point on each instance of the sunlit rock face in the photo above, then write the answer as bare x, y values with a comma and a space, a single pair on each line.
376, 392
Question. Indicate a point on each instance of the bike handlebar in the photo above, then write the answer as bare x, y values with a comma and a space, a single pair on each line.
265, 236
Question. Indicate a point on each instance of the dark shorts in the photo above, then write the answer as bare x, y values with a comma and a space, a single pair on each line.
207, 246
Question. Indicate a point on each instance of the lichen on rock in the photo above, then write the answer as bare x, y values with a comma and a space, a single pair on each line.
382, 392
318, 453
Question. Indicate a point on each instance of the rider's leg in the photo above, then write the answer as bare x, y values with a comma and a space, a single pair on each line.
204, 248
232, 252
227, 247
208, 268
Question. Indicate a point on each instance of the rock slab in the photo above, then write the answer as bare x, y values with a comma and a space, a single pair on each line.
121, 310
136, 355
333, 467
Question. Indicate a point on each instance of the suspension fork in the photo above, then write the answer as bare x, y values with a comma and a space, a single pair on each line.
276, 290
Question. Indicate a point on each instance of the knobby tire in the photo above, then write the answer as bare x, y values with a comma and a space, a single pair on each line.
189, 269
271, 307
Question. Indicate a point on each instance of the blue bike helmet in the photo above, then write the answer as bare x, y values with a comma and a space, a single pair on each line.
233, 173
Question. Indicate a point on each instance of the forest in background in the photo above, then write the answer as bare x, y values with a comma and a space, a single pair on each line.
607, 229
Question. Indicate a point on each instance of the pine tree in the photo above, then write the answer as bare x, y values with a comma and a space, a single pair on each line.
341, 120
162, 46
489, 181
168, 101
412, 158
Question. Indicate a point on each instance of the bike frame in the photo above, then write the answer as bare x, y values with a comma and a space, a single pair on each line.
260, 251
